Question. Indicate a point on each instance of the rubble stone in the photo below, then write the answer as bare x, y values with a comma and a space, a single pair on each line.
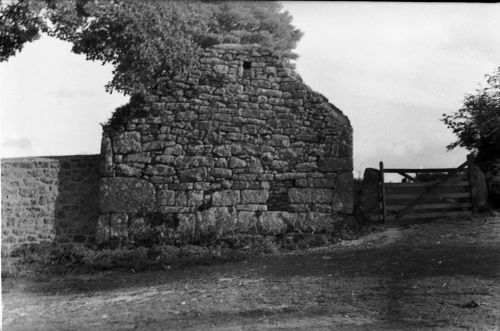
231, 150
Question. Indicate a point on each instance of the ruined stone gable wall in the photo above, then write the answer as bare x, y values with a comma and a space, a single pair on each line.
49, 199
240, 145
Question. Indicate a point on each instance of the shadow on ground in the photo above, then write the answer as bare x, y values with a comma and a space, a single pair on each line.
430, 276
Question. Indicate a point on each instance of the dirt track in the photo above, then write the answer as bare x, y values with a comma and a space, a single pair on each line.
443, 275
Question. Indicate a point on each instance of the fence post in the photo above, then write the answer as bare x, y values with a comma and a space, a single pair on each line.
472, 184
382, 191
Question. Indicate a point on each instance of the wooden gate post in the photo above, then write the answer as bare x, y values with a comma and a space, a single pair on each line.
382, 191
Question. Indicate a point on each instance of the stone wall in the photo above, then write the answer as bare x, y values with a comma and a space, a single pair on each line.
368, 209
49, 199
239, 145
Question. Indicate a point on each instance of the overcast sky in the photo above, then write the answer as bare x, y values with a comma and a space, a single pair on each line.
392, 68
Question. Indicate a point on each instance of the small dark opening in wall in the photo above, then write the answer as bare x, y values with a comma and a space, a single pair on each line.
247, 65
278, 196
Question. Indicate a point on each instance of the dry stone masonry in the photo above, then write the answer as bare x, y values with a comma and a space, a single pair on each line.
49, 199
238, 146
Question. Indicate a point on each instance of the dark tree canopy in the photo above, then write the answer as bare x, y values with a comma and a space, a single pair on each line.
18, 24
477, 123
147, 41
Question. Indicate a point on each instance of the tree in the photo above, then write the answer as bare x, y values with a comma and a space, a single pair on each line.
477, 123
254, 22
19, 24
151, 41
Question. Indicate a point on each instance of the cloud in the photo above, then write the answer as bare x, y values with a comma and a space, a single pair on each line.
23, 143
70, 93
472, 43
400, 134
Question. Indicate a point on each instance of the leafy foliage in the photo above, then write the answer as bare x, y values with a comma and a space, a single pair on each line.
19, 24
149, 41
477, 123
144, 42
253, 22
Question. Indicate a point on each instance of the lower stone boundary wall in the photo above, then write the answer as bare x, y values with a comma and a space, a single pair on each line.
49, 199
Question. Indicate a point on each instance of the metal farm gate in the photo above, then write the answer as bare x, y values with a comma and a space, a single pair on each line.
416, 200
